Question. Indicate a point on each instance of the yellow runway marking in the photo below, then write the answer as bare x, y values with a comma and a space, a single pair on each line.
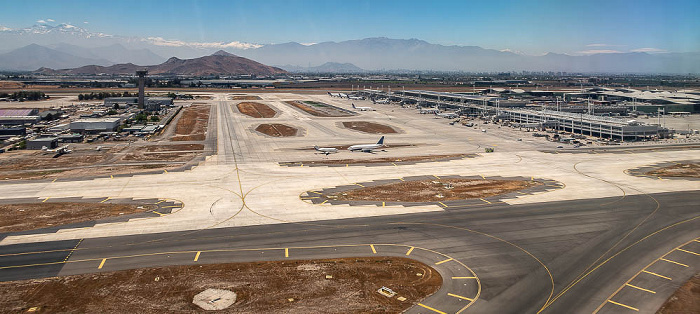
639, 288
173, 206
286, 252
301, 165
430, 308
657, 275
312, 197
485, 201
165, 171
46, 199
673, 262
346, 165
394, 164
360, 185
443, 261
482, 176
54, 180
409, 251
316, 192
443, 204
373, 249
196, 257
102, 263
682, 250
383, 204
104, 200
402, 179
111, 176
324, 202
463, 277
159, 214
460, 297
627, 306
436, 177
161, 201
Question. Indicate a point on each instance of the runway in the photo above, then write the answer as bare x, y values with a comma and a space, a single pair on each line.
583, 245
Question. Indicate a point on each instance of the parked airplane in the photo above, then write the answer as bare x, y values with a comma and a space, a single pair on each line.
429, 110
362, 108
367, 148
356, 97
59, 151
448, 115
326, 150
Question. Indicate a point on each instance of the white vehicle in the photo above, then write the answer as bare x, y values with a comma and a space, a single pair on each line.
59, 151
326, 150
367, 148
362, 108
382, 101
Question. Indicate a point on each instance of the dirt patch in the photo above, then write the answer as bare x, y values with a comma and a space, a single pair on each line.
691, 170
26, 160
685, 300
276, 130
177, 147
383, 160
21, 217
261, 287
320, 109
256, 110
192, 124
434, 190
369, 127
245, 97
11, 84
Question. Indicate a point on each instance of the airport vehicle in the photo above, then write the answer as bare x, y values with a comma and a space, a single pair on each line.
367, 148
326, 150
59, 151
382, 101
362, 108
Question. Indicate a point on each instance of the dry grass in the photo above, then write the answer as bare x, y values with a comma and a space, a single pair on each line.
369, 127
192, 124
691, 170
276, 130
261, 287
21, 217
256, 110
245, 97
434, 190
685, 300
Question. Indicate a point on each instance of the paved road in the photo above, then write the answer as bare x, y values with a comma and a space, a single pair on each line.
561, 256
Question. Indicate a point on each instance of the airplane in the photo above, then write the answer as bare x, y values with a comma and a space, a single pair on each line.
382, 101
356, 97
59, 151
326, 150
430, 110
367, 148
362, 108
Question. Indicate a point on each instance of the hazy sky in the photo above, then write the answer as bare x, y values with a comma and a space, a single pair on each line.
532, 27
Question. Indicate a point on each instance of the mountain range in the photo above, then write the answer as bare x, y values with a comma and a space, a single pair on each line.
328, 67
219, 63
62, 46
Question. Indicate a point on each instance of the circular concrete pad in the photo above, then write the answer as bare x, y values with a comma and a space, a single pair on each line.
214, 299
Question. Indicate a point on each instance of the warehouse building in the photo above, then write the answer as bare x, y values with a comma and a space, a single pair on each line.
40, 143
95, 126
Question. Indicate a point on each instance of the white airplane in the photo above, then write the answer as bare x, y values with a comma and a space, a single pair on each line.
367, 148
326, 150
362, 108
59, 151
430, 110
356, 97
382, 101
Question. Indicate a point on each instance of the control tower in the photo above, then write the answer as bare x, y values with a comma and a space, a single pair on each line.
142, 83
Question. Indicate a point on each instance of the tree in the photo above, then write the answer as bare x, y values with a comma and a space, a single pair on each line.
155, 119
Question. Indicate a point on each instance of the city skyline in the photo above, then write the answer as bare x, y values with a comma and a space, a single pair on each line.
527, 27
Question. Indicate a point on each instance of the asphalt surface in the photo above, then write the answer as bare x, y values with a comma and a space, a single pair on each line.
525, 256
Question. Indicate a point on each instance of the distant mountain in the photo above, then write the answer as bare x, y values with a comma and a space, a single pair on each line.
219, 63
328, 67
115, 53
372, 54
34, 56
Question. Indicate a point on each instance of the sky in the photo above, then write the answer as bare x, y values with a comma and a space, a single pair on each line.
530, 27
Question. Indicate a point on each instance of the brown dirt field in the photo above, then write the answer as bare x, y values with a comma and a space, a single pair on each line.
176, 147
245, 97
369, 127
685, 300
182, 156
192, 124
21, 217
434, 190
678, 170
31, 160
256, 110
381, 160
322, 110
261, 287
11, 84
276, 130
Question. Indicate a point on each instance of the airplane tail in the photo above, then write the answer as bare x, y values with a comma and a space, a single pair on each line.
381, 141
353, 106
316, 147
